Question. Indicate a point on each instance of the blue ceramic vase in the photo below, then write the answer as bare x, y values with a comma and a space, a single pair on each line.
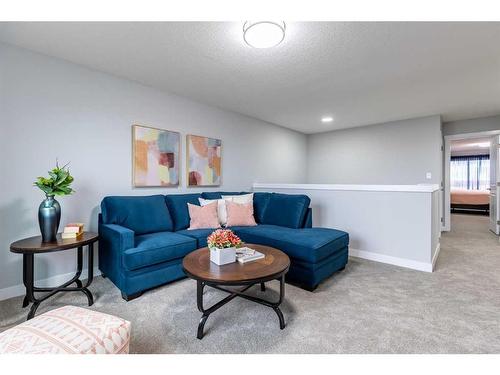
49, 216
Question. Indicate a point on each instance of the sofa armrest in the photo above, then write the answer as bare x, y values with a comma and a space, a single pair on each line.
113, 241
116, 237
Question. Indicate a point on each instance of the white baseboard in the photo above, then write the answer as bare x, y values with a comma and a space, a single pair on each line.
382, 258
436, 253
20, 290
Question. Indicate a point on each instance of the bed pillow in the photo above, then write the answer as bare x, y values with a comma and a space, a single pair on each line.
203, 217
221, 208
240, 214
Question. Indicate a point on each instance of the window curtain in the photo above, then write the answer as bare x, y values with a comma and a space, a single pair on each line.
470, 172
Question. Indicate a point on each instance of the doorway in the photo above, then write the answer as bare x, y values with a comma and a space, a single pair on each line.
471, 186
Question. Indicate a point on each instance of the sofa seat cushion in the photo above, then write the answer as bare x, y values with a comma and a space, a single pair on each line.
199, 234
142, 214
286, 210
306, 244
156, 248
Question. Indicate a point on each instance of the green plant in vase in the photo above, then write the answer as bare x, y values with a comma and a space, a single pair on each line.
49, 213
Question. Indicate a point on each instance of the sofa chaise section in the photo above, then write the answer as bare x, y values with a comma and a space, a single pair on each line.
315, 253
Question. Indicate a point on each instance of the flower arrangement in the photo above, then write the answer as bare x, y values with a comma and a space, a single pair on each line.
223, 238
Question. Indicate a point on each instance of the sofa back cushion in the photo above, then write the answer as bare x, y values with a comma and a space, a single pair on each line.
286, 210
260, 202
177, 205
142, 214
219, 194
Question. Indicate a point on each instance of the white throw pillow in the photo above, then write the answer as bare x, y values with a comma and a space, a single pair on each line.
221, 208
240, 199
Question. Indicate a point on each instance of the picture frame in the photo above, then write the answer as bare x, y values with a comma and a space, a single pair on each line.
203, 161
155, 157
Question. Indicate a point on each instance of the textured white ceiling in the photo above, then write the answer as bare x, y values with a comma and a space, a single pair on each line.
359, 73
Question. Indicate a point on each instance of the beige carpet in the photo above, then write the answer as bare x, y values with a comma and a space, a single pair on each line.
368, 308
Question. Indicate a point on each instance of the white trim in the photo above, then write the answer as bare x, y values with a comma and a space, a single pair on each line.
447, 160
382, 258
446, 226
435, 257
19, 290
422, 188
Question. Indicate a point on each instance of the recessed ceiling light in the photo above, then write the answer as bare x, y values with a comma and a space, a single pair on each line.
327, 119
263, 34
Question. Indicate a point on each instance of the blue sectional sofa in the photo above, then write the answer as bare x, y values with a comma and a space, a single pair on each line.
143, 239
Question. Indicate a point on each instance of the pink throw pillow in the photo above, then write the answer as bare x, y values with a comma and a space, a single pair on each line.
240, 214
203, 216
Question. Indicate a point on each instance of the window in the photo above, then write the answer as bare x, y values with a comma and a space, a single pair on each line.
470, 172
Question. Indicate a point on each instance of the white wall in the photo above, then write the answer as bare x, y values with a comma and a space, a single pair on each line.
53, 109
399, 152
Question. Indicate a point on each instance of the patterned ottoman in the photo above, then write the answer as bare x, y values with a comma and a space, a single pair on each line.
68, 330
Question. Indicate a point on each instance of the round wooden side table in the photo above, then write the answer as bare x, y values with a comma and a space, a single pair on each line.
273, 266
34, 245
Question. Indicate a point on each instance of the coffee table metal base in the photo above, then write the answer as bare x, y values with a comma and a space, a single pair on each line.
233, 294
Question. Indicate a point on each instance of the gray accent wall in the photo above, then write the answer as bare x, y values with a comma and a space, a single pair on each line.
54, 109
471, 126
399, 152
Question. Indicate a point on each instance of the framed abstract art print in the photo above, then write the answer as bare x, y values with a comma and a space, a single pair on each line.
204, 161
155, 157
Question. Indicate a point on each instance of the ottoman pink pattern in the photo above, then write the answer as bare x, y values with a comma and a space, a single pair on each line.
68, 330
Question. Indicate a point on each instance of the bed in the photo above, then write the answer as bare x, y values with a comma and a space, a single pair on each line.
470, 200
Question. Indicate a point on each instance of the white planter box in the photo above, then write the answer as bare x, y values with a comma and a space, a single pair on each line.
223, 256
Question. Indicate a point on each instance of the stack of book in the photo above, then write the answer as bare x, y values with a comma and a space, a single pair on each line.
72, 230
245, 255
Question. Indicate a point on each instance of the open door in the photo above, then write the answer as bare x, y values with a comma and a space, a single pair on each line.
494, 185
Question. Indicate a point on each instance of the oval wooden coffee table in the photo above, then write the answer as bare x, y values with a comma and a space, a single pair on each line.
274, 265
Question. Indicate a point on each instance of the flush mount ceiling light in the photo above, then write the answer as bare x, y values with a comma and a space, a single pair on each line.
327, 119
263, 34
